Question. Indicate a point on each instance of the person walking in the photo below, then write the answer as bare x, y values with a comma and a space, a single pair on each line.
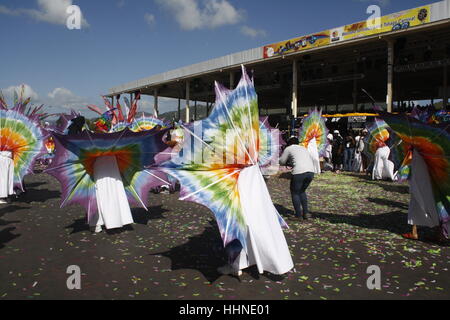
337, 151
299, 158
349, 150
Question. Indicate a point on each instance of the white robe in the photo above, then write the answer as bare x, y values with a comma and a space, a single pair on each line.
383, 167
422, 206
112, 202
357, 165
6, 174
312, 148
266, 244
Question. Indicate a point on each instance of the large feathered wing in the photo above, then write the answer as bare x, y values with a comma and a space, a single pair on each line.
24, 138
75, 157
433, 144
269, 147
144, 123
214, 153
378, 134
314, 127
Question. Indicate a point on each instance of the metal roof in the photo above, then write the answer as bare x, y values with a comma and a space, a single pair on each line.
440, 14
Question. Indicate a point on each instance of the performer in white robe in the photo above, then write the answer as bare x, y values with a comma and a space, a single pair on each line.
383, 168
357, 161
312, 148
6, 175
328, 157
422, 207
113, 208
266, 245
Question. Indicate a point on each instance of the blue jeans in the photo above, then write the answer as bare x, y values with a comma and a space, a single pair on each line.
348, 159
299, 184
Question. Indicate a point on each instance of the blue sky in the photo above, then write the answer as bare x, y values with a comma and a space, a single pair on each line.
125, 40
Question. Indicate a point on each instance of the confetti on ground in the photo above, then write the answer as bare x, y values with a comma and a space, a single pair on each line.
173, 251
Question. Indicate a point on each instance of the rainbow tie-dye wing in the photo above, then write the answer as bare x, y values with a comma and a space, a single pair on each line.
314, 127
433, 144
75, 157
404, 171
270, 146
120, 126
24, 138
378, 135
144, 123
214, 153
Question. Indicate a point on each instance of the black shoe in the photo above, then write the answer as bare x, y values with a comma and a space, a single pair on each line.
306, 216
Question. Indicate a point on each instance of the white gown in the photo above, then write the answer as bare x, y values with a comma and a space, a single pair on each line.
266, 244
312, 148
422, 207
113, 208
383, 167
6, 174
357, 161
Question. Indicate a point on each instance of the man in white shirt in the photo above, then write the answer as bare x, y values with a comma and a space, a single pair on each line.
302, 175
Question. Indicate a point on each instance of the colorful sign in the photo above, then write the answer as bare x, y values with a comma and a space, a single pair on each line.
393, 22
397, 21
297, 44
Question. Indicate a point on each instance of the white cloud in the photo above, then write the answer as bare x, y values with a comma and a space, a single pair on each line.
253, 33
50, 11
58, 100
64, 98
150, 19
28, 92
193, 14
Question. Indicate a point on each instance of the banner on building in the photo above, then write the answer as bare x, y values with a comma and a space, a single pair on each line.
393, 22
397, 21
297, 44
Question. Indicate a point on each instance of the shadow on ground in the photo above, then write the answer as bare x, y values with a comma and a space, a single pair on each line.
6, 236
389, 203
395, 221
205, 254
38, 195
140, 216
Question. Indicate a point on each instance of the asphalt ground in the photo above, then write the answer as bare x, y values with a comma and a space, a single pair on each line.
173, 250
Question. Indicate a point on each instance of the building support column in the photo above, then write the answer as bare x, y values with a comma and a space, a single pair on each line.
337, 99
155, 105
445, 92
188, 98
294, 104
231, 80
179, 109
355, 95
195, 110
112, 101
390, 74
